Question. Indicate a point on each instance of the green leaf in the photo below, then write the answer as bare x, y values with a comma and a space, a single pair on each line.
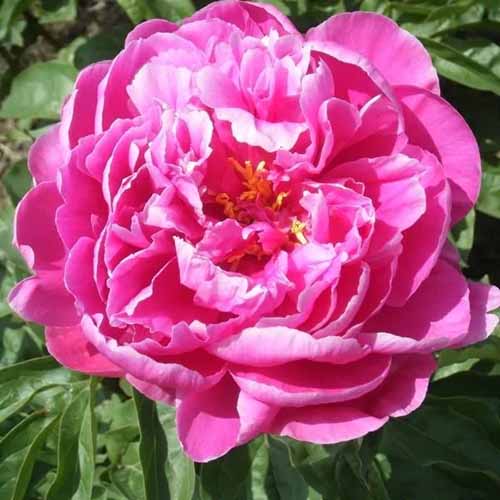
460, 68
67, 477
101, 47
87, 447
225, 478
179, 468
288, 480
20, 383
9, 10
38, 91
173, 10
152, 449
19, 450
17, 180
489, 198
58, 11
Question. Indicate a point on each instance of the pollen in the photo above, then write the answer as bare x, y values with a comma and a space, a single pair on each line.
297, 229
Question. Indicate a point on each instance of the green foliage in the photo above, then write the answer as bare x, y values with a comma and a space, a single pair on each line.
67, 436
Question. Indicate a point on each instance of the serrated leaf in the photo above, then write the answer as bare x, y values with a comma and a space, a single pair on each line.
39, 91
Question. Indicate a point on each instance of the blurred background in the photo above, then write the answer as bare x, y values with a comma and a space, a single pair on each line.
69, 437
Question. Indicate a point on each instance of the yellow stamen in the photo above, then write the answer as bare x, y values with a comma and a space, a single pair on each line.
297, 229
279, 200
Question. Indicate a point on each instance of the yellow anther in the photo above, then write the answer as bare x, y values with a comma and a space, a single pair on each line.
230, 209
297, 229
279, 200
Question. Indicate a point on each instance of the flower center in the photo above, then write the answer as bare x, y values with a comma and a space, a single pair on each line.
258, 196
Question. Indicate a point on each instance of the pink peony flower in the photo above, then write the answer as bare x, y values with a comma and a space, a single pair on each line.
251, 224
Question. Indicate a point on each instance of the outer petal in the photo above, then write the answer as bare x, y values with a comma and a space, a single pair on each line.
208, 423
47, 155
397, 54
435, 317
44, 300
326, 424
148, 28
36, 234
483, 299
405, 388
79, 112
434, 125
71, 348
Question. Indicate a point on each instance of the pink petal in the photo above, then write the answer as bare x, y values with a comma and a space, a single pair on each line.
208, 424
194, 372
397, 54
47, 155
35, 231
148, 28
262, 347
302, 383
326, 424
79, 279
152, 391
405, 388
71, 348
252, 18
255, 417
483, 299
422, 243
79, 113
436, 316
434, 125
44, 300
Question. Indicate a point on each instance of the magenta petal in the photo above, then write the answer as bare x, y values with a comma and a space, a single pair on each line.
36, 234
254, 19
79, 113
72, 349
44, 301
196, 372
304, 383
270, 346
436, 316
148, 28
483, 299
405, 388
397, 54
434, 125
326, 424
152, 391
47, 155
208, 423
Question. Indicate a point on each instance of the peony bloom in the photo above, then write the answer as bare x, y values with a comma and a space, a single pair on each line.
250, 224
